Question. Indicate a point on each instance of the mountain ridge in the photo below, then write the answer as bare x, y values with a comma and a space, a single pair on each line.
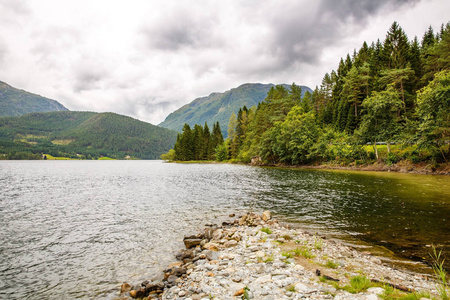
218, 107
91, 134
17, 102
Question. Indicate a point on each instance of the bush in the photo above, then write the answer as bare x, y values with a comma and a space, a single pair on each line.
392, 158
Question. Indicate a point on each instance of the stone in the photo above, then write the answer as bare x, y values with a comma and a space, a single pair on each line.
242, 220
154, 286
264, 279
266, 216
172, 278
371, 297
211, 246
172, 265
211, 255
230, 243
260, 254
375, 290
133, 293
125, 287
239, 292
217, 235
190, 243
300, 287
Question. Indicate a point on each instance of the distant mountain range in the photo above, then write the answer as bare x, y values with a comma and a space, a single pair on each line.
15, 102
90, 134
31, 124
219, 106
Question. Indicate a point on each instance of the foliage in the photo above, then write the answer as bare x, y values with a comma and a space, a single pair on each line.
378, 96
439, 271
89, 135
200, 144
218, 107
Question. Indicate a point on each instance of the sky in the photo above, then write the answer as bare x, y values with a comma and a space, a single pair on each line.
146, 59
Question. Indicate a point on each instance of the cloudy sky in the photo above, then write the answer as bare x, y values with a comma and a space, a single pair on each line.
146, 58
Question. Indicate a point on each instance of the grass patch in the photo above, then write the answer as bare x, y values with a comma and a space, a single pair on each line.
357, 284
266, 230
287, 237
393, 294
439, 271
287, 254
318, 243
291, 288
331, 264
303, 252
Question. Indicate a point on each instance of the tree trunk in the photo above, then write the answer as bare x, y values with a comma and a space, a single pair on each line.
375, 148
388, 147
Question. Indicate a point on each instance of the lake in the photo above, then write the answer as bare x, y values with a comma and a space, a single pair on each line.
78, 229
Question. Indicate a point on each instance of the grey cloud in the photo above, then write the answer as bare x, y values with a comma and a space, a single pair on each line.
89, 77
300, 39
179, 29
3, 51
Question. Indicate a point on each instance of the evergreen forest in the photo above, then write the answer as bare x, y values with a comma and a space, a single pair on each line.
81, 135
387, 102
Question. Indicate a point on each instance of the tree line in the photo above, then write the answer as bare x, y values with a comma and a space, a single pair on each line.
394, 92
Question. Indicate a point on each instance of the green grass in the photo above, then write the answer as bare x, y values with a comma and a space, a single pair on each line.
50, 157
357, 284
393, 294
287, 237
318, 243
439, 271
266, 230
287, 254
303, 252
331, 264
105, 158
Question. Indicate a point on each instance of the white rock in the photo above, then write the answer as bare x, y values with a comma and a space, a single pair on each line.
301, 288
372, 297
264, 279
375, 290
260, 254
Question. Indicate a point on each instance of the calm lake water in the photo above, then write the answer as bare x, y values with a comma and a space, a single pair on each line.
78, 229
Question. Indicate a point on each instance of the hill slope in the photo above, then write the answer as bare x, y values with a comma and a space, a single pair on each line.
84, 133
15, 102
219, 106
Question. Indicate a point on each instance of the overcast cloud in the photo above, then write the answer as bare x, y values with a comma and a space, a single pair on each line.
147, 58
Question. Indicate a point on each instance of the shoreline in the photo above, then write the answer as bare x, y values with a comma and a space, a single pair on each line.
403, 167
256, 257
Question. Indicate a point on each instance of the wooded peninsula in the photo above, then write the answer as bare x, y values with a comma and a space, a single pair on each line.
388, 102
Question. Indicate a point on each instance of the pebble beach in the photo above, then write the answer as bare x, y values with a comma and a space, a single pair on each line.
256, 257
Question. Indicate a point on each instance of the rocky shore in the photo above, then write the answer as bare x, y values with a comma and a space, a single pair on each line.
255, 257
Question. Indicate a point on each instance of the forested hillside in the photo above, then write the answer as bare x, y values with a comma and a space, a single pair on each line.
218, 107
82, 135
15, 102
387, 102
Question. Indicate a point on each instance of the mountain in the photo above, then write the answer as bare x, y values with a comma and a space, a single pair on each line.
15, 102
90, 134
219, 106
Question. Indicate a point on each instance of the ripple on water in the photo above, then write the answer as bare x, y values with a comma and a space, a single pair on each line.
78, 229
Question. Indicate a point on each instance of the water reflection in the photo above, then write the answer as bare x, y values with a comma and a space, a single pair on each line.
78, 229
403, 212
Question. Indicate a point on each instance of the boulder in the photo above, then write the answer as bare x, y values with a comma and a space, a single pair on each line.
266, 216
217, 235
230, 243
125, 287
191, 243
211, 255
154, 286
211, 246
242, 220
